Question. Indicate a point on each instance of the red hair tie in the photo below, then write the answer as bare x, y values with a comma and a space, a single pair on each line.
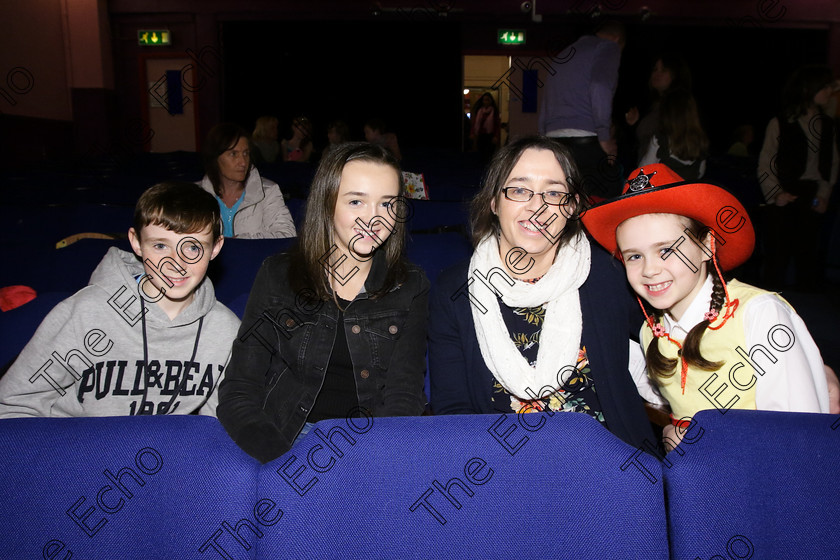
731, 305
659, 331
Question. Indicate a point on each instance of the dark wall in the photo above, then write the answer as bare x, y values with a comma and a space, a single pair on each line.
407, 73
738, 72
406, 69
410, 72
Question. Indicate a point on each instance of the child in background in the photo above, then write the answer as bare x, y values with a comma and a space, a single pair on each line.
299, 146
338, 133
708, 344
264, 140
145, 336
376, 133
486, 128
679, 140
742, 138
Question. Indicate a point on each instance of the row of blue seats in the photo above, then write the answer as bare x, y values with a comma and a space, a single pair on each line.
44, 225
57, 273
747, 484
120, 178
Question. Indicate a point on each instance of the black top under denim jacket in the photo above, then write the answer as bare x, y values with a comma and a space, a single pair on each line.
461, 382
280, 356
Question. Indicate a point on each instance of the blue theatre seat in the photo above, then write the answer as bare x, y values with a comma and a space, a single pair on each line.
424, 215
297, 208
435, 252
234, 270
431, 487
47, 269
745, 485
129, 487
18, 325
473, 486
755, 484
294, 177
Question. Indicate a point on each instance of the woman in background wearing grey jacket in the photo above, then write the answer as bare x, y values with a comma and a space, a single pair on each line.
252, 207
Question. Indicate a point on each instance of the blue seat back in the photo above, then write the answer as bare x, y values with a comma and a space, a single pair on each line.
755, 484
18, 325
128, 487
472, 486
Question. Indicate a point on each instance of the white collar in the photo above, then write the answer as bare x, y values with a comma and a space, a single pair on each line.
694, 314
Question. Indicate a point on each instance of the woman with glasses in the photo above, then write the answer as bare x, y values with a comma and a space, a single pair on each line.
537, 319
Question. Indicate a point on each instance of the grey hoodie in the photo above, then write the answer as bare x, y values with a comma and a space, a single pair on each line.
87, 356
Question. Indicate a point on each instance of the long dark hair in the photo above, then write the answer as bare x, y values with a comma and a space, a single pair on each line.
315, 238
480, 103
679, 122
800, 89
302, 122
484, 222
659, 365
221, 138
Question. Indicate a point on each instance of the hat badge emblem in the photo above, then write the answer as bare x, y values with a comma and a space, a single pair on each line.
640, 181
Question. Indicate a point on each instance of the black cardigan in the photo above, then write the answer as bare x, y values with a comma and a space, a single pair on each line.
461, 383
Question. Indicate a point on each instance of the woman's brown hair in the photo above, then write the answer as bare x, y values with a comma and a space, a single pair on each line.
221, 138
315, 241
679, 122
265, 126
484, 222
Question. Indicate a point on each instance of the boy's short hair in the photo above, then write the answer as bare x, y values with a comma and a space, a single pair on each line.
180, 207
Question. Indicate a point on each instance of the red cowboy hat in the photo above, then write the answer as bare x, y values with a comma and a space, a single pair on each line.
657, 189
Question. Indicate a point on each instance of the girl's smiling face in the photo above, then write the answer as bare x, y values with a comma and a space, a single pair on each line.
663, 264
361, 220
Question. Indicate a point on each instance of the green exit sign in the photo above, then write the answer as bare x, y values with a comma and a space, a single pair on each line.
511, 36
153, 37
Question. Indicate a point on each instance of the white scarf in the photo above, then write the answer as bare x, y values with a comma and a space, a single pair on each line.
561, 330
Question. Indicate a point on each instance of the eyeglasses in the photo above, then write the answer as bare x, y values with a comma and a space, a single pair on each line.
552, 198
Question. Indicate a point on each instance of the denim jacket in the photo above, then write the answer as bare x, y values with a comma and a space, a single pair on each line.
280, 357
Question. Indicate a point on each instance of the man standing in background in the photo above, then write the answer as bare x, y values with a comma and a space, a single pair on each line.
577, 102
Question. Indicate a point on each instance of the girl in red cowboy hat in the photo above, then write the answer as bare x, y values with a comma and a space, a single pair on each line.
708, 344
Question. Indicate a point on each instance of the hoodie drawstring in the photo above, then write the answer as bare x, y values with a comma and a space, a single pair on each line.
146, 365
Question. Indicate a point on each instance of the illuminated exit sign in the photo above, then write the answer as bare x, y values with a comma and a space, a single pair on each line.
153, 37
511, 36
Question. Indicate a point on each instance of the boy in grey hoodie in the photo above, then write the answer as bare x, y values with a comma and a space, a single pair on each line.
144, 337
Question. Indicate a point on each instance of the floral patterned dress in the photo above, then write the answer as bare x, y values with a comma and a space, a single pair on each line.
577, 394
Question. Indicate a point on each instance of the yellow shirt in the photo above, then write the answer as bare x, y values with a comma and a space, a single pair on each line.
733, 385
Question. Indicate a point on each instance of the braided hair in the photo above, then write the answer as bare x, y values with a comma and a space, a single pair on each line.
661, 366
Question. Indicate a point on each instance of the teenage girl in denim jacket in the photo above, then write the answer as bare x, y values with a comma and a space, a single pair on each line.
336, 327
